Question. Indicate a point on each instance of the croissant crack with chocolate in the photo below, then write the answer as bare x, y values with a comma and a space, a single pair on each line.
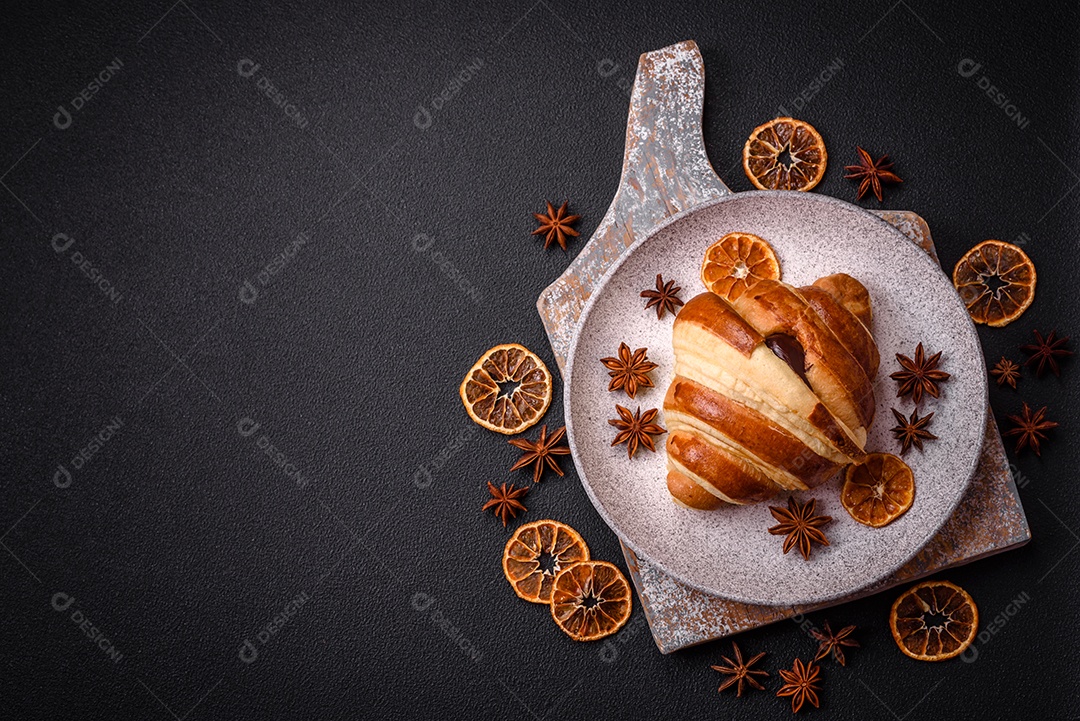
773, 391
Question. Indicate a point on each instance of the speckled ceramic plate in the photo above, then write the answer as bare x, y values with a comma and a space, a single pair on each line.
728, 552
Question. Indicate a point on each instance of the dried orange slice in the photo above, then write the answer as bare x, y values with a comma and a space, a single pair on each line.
591, 600
507, 390
736, 262
535, 555
996, 281
879, 490
785, 154
934, 621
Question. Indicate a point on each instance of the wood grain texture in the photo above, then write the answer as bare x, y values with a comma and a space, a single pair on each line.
665, 171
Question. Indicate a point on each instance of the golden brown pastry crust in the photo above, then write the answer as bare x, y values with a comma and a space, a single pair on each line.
743, 425
849, 293
847, 328
691, 494
718, 471
772, 306
711, 347
712, 312
772, 447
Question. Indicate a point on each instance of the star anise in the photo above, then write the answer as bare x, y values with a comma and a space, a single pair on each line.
636, 429
628, 372
665, 298
740, 672
506, 502
912, 431
801, 684
919, 376
539, 453
871, 173
801, 526
556, 225
1030, 428
1006, 372
1046, 351
834, 642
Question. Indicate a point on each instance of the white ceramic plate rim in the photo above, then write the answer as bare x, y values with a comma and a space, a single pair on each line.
922, 257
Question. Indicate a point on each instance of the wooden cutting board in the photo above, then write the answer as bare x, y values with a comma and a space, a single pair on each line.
665, 171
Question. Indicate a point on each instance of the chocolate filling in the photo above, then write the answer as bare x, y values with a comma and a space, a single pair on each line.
789, 350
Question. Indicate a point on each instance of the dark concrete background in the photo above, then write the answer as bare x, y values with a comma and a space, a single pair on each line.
180, 180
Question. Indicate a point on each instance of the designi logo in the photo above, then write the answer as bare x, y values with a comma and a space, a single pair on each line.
63, 119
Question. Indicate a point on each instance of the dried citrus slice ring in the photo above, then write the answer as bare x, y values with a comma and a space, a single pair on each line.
785, 154
736, 262
934, 621
591, 600
879, 490
996, 281
507, 390
535, 555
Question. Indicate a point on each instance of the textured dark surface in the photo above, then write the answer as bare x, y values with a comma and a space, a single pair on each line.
179, 181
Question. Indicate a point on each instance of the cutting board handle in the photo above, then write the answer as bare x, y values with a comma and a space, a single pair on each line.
665, 170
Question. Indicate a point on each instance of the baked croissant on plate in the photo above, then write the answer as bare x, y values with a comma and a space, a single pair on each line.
773, 391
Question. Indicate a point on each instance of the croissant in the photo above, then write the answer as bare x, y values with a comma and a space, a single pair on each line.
773, 390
